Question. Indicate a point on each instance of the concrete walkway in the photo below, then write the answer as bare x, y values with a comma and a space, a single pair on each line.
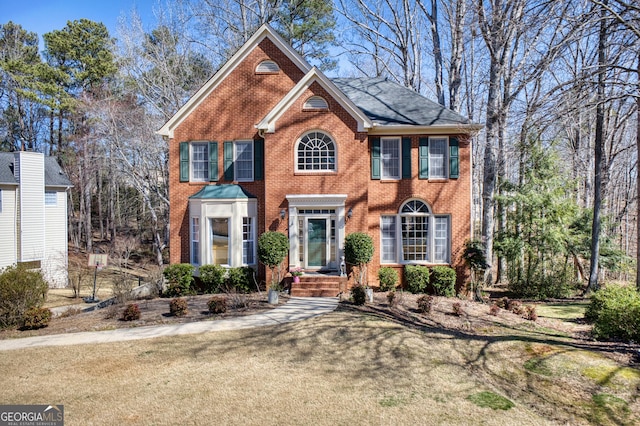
296, 309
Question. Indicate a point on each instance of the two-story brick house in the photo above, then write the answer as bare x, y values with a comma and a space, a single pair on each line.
271, 143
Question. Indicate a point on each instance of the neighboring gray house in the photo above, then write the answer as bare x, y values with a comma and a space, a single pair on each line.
33, 214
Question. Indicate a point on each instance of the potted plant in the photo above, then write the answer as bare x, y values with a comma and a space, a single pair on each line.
358, 251
273, 247
296, 273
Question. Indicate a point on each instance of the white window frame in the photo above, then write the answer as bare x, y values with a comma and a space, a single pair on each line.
437, 158
50, 198
386, 143
195, 240
435, 238
248, 238
0, 200
236, 161
332, 166
193, 161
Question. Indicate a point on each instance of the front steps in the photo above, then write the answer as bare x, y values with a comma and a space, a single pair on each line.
319, 285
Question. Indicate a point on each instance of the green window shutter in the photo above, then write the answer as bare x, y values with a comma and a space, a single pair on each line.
424, 158
184, 161
213, 161
228, 160
454, 159
258, 159
375, 158
406, 158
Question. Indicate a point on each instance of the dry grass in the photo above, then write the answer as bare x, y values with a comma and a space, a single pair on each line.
374, 365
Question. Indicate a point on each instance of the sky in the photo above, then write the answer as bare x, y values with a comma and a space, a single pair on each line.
43, 16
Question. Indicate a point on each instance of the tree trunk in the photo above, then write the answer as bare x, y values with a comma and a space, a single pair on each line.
638, 182
598, 150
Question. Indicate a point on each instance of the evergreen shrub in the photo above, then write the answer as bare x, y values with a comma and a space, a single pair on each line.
416, 278
443, 281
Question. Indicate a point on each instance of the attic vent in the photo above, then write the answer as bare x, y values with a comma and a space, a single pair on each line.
268, 67
316, 102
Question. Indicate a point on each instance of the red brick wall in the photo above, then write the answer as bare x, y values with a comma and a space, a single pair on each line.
244, 98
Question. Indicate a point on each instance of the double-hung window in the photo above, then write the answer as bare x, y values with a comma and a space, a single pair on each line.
415, 235
200, 162
195, 240
243, 161
248, 241
390, 158
50, 198
438, 158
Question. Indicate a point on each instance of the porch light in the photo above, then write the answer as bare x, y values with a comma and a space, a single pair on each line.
283, 213
349, 213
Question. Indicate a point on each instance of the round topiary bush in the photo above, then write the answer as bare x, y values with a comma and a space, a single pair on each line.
273, 247
443, 280
180, 278
358, 251
416, 278
217, 305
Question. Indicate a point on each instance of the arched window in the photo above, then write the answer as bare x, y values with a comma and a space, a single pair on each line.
315, 102
316, 151
421, 236
267, 67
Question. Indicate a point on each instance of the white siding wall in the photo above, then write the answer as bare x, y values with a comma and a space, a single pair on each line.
55, 262
29, 170
8, 248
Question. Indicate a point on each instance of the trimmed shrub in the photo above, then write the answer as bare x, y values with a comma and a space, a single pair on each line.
443, 281
416, 278
358, 251
20, 290
213, 278
358, 294
392, 299
131, 312
425, 303
180, 278
615, 312
273, 247
503, 303
217, 305
240, 279
531, 313
516, 307
388, 278
494, 309
457, 309
36, 318
178, 307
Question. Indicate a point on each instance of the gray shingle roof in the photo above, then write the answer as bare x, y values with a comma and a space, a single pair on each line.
6, 169
388, 103
53, 174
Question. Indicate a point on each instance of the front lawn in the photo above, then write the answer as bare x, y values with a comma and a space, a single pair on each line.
370, 365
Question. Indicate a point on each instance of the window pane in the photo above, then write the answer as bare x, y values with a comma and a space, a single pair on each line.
200, 162
50, 198
390, 158
415, 238
316, 151
437, 157
388, 233
244, 161
220, 241
441, 239
247, 241
195, 240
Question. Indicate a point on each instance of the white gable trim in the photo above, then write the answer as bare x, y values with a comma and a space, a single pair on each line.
263, 32
268, 123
